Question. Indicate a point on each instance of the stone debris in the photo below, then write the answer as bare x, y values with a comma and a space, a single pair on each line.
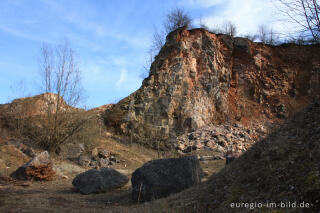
99, 158
220, 138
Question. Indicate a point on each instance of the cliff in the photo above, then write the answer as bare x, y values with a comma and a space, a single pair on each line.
200, 79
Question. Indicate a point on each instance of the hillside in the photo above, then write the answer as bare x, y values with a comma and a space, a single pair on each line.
34, 105
208, 95
200, 79
283, 167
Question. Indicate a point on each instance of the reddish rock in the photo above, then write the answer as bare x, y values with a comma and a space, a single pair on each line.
39, 168
200, 78
35, 105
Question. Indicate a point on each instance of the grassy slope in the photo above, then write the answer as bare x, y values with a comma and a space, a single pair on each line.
283, 167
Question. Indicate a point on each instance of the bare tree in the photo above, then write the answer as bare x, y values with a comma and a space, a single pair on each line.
251, 37
62, 86
230, 28
266, 35
61, 74
227, 28
271, 39
262, 33
217, 30
202, 24
305, 13
177, 18
158, 40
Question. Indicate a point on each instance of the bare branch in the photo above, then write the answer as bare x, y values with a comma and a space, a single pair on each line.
305, 13
177, 18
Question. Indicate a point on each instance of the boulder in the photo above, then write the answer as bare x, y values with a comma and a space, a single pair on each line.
38, 168
84, 160
94, 152
103, 154
103, 162
72, 151
96, 181
113, 159
160, 178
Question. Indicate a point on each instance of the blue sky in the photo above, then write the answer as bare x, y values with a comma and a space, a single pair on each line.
111, 38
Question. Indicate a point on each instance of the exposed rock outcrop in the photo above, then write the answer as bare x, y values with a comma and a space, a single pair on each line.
283, 167
200, 79
39, 168
35, 105
160, 178
94, 181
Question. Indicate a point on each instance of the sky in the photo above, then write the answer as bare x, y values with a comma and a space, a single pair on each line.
111, 38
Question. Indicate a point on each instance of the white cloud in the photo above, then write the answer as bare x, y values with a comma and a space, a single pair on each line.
118, 61
200, 3
123, 77
24, 35
247, 15
81, 17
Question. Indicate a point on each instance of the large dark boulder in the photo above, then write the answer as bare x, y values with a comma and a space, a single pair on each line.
160, 178
95, 181
39, 168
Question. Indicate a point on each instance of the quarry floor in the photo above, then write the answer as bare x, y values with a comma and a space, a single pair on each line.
60, 196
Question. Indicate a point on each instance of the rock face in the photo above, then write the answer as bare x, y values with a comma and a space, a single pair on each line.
39, 168
160, 178
199, 79
288, 160
95, 181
